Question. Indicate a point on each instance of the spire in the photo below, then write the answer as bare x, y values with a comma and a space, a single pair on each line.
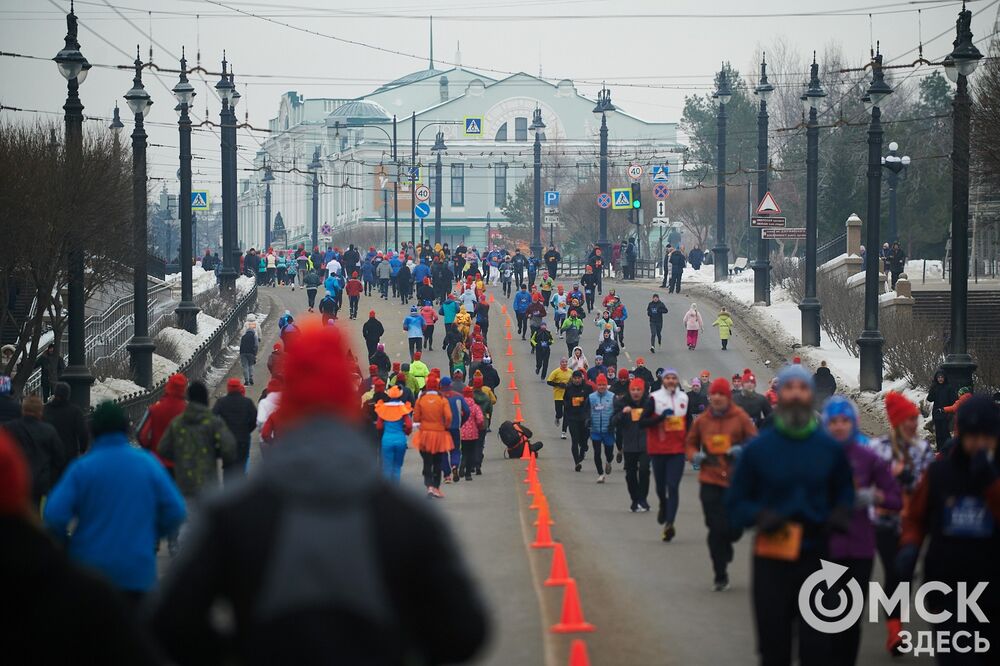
458, 54
431, 65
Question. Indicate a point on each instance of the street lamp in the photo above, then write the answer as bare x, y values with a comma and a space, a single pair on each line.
871, 340
437, 149
227, 120
187, 311
896, 166
141, 347
268, 179
74, 67
762, 267
116, 128
959, 65
810, 305
720, 253
536, 231
604, 107
314, 167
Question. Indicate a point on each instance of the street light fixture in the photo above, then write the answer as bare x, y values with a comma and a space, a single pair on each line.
896, 167
762, 267
959, 65
314, 167
141, 346
720, 253
810, 305
438, 148
871, 340
536, 230
604, 107
187, 311
74, 67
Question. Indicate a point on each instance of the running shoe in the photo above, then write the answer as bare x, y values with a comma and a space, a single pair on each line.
669, 532
600, 479
562, 435
721, 584
644, 506
634, 508
455, 476
618, 458
437, 493
579, 467
607, 468
651, 350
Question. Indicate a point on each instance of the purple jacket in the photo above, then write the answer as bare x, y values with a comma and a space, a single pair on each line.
869, 470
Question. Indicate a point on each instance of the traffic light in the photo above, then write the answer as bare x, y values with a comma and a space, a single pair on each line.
636, 196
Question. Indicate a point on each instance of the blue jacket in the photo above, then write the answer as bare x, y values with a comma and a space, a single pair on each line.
459, 410
601, 408
396, 264
798, 479
448, 310
124, 502
367, 271
420, 271
414, 326
522, 300
332, 284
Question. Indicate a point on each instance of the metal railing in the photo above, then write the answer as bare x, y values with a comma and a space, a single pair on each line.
831, 249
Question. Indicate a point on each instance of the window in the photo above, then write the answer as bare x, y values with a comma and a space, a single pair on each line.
501, 133
520, 129
431, 172
457, 184
500, 185
583, 172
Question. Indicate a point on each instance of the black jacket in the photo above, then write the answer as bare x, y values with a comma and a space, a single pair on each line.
10, 408
609, 349
404, 276
575, 405
697, 403
939, 395
381, 361
63, 614
633, 432
490, 376
655, 311
248, 343
825, 384
677, 260
43, 450
239, 413
71, 425
372, 330
425, 292
386, 554
754, 404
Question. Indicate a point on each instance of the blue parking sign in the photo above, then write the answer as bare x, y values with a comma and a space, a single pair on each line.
551, 199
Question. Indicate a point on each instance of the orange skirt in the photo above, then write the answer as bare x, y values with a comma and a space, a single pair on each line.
432, 441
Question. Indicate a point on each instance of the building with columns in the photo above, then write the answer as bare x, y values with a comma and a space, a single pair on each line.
485, 126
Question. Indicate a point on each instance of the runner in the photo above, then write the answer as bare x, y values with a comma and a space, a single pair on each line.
601, 410
558, 379
576, 411
541, 346
589, 282
413, 325
632, 416
665, 445
655, 310
432, 415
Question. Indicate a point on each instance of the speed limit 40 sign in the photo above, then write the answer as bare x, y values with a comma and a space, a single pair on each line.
422, 193
634, 171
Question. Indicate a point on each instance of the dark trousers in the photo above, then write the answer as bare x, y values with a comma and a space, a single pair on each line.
725, 343
311, 297
415, 345
542, 361
383, 287
372, 345
519, 277
655, 333
470, 457
578, 435
589, 298
720, 535
675, 281
433, 464
942, 429
637, 476
552, 270
353, 303
608, 450
429, 336
506, 287
667, 471
887, 545
845, 648
238, 469
775, 591
559, 410
522, 324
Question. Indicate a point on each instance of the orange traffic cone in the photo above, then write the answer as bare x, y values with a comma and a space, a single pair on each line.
578, 653
559, 573
517, 398
519, 419
508, 336
526, 449
512, 386
543, 513
491, 297
503, 309
543, 539
572, 613
510, 366
506, 324
510, 350
532, 468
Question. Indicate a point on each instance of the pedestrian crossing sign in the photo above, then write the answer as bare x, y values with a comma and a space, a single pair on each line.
199, 200
474, 126
621, 198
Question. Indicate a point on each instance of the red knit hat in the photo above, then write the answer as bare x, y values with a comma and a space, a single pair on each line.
372, 369
899, 408
623, 374
319, 354
601, 380
378, 385
432, 382
416, 356
234, 384
720, 386
477, 380
636, 384
176, 385
371, 314
15, 479
467, 392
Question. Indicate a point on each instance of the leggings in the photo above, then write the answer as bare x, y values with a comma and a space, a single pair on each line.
887, 545
470, 457
311, 297
845, 648
433, 464
655, 333
578, 435
542, 361
609, 449
428, 335
667, 471
415, 345
522, 323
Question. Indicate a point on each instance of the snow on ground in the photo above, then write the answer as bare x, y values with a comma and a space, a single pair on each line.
202, 280
112, 388
244, 284
915, 270
186, 343
163, 367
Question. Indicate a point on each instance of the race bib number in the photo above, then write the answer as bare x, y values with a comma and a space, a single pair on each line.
673, 424
784, 544
636, 414
577, 400
967, 517
719, 444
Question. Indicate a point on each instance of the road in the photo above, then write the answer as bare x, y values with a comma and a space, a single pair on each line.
650, 601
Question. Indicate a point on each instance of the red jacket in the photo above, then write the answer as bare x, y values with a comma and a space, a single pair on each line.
161, 414
354, 287
666, 435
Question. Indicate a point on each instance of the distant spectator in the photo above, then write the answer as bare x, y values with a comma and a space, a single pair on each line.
826, 384
40, 445
70, 423
52, 366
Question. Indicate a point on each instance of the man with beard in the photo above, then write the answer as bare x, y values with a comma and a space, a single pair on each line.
794, 483
753, 403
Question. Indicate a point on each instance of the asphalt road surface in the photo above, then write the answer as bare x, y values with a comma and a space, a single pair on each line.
651, 601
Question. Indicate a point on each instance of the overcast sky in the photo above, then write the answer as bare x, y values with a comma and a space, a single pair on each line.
651, 52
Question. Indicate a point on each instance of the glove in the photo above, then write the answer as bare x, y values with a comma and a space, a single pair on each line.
698, 458
864, 497
906, 561
735, 451
769, 522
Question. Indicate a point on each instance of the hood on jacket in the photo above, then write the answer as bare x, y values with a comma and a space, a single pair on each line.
176, 386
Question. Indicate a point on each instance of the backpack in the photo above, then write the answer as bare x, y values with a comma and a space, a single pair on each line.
514, 436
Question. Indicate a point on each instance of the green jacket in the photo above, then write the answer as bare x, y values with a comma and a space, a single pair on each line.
725, 324
194, 441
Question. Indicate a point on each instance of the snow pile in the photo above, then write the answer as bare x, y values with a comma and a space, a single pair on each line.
186, 343
201, 280
112, 388
163, 367
915, 270
244, 284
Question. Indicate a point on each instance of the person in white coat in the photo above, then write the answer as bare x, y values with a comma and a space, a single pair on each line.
694, 325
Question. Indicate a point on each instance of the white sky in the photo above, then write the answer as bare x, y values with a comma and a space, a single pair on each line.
651, 52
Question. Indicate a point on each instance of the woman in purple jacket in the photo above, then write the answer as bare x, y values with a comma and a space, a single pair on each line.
875, 487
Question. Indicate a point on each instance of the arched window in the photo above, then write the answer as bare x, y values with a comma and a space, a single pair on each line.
520, 129
501, 133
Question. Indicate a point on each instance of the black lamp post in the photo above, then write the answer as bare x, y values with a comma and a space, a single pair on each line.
116, 128
720, 253
896, 167
959, 65
74, 68
314, 167
268, 179
141, 347
810, 305
437, 148
536, 230
227, 119
762, 267
871, 340
604, 107
187, 311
